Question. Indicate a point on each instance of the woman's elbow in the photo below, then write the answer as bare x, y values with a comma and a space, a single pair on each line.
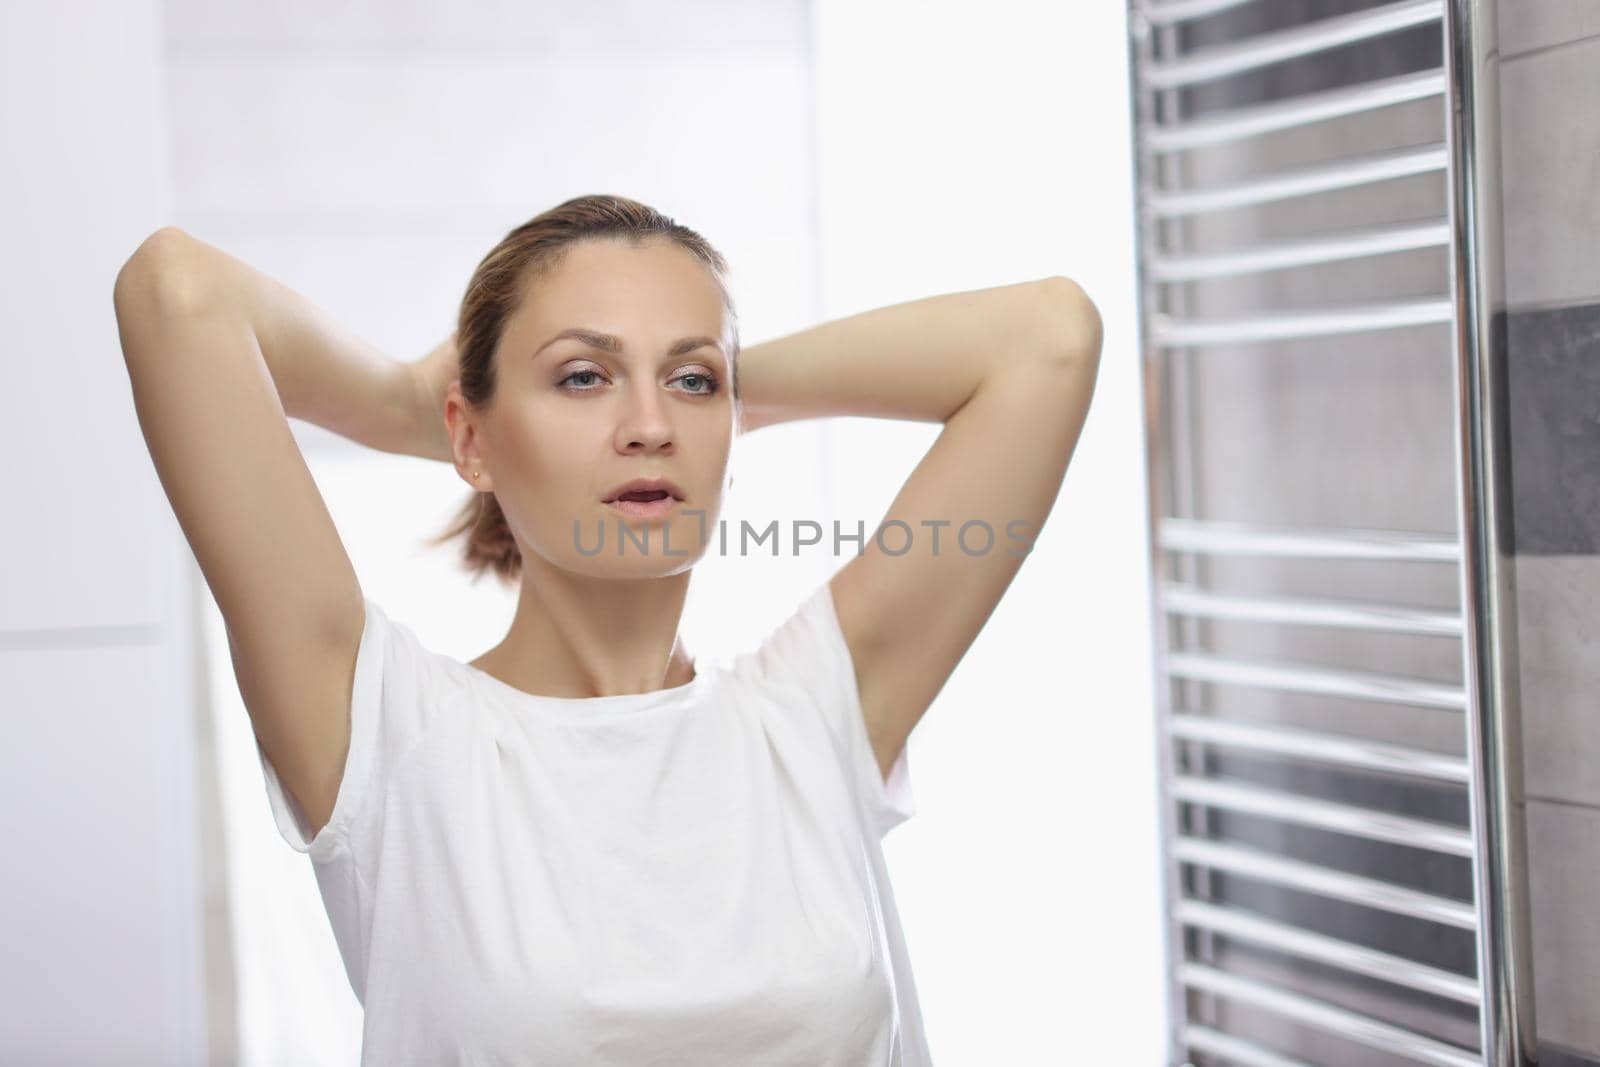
1075, 329
160, 277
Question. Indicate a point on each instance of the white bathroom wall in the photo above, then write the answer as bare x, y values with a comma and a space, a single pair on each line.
101, 906
961, 147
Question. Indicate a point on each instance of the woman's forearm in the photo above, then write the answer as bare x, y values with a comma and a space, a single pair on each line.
921, 360
323, 373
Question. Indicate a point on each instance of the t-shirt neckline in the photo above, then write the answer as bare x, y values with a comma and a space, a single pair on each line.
583, 708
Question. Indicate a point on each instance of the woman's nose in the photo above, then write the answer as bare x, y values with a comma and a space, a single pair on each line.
644, 421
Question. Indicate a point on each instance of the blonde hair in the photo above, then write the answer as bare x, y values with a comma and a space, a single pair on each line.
497, 288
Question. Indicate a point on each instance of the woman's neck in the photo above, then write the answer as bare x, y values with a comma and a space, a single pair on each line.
574, 636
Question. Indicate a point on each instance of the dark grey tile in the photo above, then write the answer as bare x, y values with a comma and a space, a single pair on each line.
1554, 403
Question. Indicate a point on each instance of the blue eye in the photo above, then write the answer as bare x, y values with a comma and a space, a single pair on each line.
711, 384
579, 374
700, 384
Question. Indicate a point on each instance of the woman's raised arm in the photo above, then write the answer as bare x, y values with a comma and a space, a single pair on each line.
218, 355
1009, 371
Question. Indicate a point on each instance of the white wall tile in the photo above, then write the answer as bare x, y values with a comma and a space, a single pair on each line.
709, 28
84, 184
100, 903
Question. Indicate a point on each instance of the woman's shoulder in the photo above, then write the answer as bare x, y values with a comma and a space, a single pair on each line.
802, 645
412, 681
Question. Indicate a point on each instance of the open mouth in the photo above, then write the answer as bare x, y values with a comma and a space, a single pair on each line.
645, 503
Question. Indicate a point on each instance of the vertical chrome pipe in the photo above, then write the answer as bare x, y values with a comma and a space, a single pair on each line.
1142, 102
1488, 576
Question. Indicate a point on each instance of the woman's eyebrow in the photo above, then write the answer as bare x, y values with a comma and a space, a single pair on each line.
606, 342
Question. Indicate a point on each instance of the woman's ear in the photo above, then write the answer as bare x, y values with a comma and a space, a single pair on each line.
464, 441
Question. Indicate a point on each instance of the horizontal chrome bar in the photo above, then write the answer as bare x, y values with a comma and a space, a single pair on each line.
1181, 598
1309, 38
1321, 748
1376, 241
1215, 537
1324, 881
1351, 1025
1359, 959
1306, 678
1234, 1049
1170, 332
1345, 174
1240, 123
1162, 12
1365, 823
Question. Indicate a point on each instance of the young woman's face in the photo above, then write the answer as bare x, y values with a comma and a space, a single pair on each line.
574, 418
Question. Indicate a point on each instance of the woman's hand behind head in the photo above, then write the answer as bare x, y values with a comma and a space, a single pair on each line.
431, 377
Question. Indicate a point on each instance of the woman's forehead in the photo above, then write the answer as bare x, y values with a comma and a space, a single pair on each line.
621, 313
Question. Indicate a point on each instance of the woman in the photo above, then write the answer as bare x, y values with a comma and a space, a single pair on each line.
585, 846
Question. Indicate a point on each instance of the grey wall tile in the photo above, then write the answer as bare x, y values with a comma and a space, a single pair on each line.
1564, 857
1550, 161
1558, 636
1553, 369
1529, 24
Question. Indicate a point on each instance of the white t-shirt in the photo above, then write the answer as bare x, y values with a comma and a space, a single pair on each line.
689, 876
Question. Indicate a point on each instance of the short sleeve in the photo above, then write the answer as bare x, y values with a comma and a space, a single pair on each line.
809, 650
386, 705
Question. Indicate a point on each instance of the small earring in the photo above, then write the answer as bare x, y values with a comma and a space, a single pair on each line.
476, 473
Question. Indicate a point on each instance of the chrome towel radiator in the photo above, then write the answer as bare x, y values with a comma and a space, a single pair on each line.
1340, 766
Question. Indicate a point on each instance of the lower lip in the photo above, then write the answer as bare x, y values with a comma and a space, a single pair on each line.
646, 509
